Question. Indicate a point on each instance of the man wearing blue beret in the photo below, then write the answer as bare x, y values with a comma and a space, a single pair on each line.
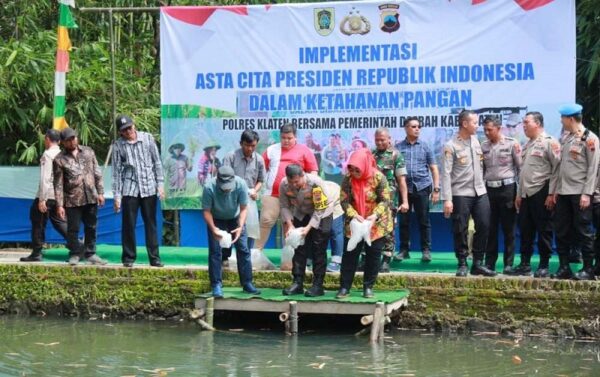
576, 181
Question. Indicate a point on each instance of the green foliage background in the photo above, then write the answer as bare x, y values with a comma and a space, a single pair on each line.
27, 58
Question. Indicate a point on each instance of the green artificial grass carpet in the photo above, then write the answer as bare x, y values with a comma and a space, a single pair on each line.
355, 297
191, 256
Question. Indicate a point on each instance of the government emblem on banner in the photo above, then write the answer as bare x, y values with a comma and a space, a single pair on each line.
355, 23
324, 20
390, 19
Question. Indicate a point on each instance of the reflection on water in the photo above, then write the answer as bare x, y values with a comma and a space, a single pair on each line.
62, 347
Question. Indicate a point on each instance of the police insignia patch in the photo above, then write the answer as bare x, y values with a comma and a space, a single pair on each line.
591, 144
555, 147
319, 198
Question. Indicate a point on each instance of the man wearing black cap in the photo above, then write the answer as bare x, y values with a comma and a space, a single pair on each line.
224, 202
137, 180
577, 175
78, 189
44, 205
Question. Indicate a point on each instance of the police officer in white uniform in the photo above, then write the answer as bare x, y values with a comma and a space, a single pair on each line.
575, 186
305, 204
464, 193
541, 156
501, 163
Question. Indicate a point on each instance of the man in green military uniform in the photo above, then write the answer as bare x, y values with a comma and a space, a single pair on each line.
391, 163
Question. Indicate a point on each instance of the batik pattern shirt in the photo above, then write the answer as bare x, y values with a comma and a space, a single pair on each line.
77, 180
378, 201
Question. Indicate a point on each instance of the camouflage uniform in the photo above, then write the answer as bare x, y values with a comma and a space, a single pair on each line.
391, 163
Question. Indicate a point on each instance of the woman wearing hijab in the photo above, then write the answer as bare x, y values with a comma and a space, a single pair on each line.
365, 195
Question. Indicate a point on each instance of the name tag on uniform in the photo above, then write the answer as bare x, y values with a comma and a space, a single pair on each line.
575, 151
576, 148
537, 152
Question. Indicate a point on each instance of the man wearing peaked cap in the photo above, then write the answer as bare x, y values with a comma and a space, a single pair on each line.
576, 182
79, 191
67, 134
570, 109
44, 205
224, 202
123, 121
137, 184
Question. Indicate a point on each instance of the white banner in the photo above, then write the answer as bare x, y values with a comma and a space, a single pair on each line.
344, 69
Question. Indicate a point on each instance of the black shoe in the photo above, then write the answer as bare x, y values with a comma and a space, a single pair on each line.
32, 258
315, 291
128, 264
157, 264
521, 270
426, 257
402, 255
296, 288
479, 269
368, 292
385, 267
251, 289
342, 293
563, 272
542, 272
585, 274
462, 271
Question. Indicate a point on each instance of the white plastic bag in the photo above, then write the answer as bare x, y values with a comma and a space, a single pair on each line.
287, 253
225, 241
252, 222
359, 232
294, 238
260, 261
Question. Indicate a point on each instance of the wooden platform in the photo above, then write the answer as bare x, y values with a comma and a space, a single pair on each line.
289, 307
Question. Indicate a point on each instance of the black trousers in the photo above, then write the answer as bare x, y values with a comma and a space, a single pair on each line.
315, 247
573, 226
130, 207
419, 201
40, 220
372, 262
88, 214
502, 213
477, 207
536, 218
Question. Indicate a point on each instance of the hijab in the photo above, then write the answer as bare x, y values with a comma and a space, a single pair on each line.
363, 160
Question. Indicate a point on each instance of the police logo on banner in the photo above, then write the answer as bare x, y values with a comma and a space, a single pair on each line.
390, 19
355, 23
324, 20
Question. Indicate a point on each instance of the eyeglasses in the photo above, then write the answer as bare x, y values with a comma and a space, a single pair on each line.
419, 126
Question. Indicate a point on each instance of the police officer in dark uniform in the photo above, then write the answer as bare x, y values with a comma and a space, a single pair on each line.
577, 175
501, 163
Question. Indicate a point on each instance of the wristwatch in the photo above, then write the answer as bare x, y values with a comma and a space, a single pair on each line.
436, 189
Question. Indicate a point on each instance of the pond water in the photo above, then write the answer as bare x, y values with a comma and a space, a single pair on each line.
65, 347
